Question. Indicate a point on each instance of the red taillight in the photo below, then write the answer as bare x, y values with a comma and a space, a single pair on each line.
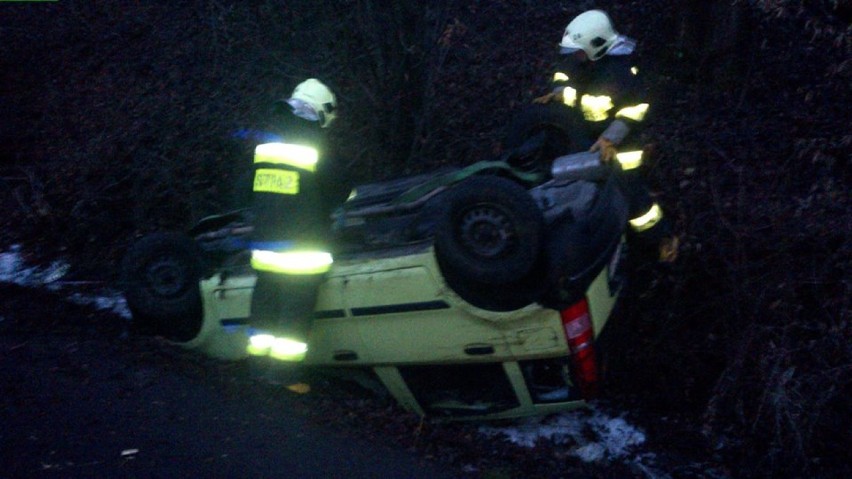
577, 323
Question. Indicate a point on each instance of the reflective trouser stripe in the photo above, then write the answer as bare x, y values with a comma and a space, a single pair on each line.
647, 220
629, 160
284, 349
259, 344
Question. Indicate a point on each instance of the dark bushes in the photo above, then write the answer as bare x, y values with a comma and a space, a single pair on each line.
118, 119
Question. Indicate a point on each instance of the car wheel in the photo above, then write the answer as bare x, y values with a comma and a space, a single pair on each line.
562, 130
159, 275
487, 242
490, 231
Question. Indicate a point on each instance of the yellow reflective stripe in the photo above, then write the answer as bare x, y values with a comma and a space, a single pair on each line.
634, 71
629, 159
286, 349
569, 96
298, 156
636, 112
259, 344
559, 76
291, 262
595, 108
648, 220
267, 180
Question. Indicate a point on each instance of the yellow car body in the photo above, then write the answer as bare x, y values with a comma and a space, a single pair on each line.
392, 313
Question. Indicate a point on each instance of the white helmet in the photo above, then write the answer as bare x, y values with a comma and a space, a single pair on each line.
320, 102
591, 32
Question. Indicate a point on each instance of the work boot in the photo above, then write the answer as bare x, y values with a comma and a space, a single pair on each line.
279, 373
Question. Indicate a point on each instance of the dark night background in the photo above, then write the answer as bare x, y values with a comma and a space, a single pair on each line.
117, 119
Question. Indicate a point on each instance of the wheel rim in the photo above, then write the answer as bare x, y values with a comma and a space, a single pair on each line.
486, 231
165, 277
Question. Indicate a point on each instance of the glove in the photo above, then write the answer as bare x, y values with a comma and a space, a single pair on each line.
606, 147
544, 99
669, 249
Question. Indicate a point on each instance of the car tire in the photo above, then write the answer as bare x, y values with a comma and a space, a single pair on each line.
487, 242
563, 130
490, 231
159, 276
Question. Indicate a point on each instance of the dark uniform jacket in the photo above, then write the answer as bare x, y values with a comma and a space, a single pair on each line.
289, 207
604, 90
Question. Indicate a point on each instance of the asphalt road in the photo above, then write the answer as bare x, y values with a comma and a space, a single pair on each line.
80, 398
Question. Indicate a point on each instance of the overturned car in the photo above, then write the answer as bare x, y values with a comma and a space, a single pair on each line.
472, 292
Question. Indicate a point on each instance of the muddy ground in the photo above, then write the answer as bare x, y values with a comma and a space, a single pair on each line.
83, 396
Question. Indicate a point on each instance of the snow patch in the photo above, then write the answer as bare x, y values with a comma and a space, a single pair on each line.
13, 269
591, 434
106, 300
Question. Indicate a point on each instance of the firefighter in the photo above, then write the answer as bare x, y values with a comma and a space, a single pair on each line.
290, 253
599, 81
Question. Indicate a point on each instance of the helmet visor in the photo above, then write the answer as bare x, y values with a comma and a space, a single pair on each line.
568, 46
303, 110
